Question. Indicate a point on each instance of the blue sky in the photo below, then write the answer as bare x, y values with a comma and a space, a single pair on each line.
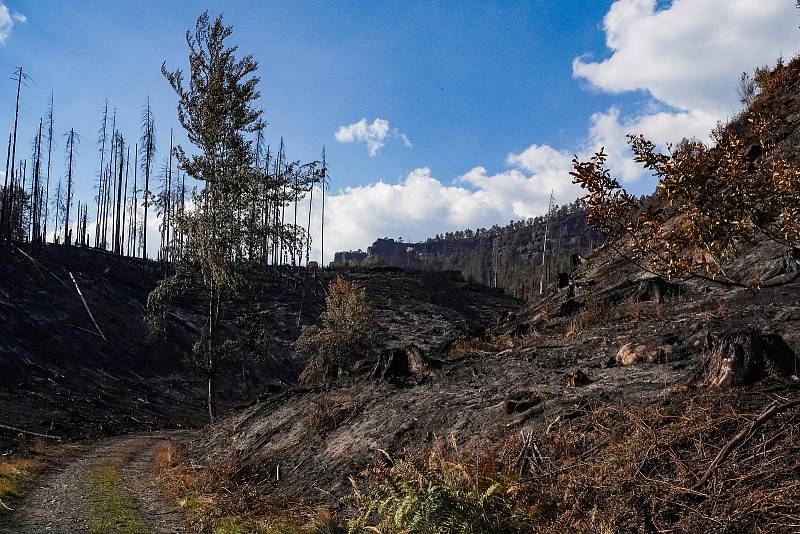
493, 98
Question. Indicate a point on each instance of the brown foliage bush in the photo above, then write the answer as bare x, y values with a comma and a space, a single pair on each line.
711, 200
609, 469
346, 331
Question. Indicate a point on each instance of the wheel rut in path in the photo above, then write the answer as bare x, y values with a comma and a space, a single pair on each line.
107, 488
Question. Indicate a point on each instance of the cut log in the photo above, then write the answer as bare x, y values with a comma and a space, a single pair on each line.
402, 363
656, 289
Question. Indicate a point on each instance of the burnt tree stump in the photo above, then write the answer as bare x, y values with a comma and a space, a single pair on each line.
743, 358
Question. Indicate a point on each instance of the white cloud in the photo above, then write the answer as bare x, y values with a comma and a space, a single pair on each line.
374, 135
7, 20
688, 57
608, 129
421, 205
690, 54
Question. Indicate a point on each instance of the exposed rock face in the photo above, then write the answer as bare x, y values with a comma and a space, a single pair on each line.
349, 257
743, 358
509, 257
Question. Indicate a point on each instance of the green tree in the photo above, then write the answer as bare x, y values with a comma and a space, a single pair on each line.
217, 109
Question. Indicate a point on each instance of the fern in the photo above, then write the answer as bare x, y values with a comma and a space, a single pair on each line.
436, 495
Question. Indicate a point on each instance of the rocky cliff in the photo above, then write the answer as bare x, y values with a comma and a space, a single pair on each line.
508, 257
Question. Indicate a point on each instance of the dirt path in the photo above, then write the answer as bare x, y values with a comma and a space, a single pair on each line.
107, 488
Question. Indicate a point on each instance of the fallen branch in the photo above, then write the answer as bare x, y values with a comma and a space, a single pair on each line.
84, 329
40, 266
4, 505
742, 436
78, 289
29, 433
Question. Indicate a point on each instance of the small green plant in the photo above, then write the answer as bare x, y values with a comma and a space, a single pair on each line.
440, 492
111, 509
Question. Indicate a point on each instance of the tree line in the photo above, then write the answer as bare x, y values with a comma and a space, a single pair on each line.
133, 190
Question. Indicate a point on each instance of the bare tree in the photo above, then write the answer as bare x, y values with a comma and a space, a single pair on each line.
8, 191
49, 154
148, 141
102, 139
72, 138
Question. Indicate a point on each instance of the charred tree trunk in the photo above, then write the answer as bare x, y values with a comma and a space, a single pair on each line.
5, 230
71, 143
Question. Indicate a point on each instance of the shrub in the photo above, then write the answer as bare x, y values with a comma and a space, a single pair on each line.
346, 330
440, 491
710, 200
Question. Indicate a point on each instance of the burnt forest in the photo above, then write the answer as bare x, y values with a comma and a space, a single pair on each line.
202, 332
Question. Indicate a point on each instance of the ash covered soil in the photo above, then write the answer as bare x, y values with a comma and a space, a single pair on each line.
616, 339
455, 360
59, 377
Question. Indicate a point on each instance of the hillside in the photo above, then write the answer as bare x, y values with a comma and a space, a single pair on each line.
509, 257
60, 377
620, 402
577, 381
625, 365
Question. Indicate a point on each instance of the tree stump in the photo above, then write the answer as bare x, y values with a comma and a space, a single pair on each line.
743, 358
656, 289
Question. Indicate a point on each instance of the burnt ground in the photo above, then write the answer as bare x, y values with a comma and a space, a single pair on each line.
59, 377
489, 389
291, 444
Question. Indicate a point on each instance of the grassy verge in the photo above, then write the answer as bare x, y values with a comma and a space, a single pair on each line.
211, 511
15, 474
111, 509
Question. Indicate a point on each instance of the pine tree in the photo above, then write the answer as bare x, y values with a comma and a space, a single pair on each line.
217, 110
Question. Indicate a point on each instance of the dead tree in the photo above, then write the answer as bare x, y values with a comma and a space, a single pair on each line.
132, 243
5, 229
107, 187
124, 203
322, 225
266, 209
168, 202
118, 195
5, 194
72, 138
148, 141
49, 154
102, 139
35, 186
544, 243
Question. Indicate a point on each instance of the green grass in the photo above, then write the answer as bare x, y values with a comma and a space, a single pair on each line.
14, 475
112, 510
